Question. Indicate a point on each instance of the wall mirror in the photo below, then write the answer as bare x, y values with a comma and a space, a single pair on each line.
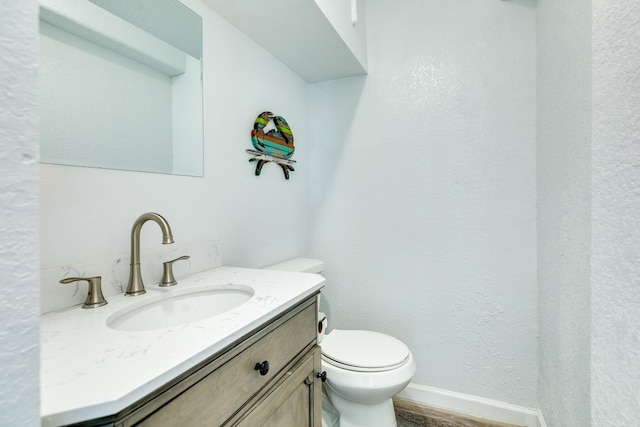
120, 85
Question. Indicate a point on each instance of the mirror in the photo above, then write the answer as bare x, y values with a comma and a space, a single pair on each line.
120, 85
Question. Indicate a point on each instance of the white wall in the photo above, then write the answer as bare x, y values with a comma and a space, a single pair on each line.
564, 210
19, 301
423, 192
615, 257
354, 34
589, 212
88, 213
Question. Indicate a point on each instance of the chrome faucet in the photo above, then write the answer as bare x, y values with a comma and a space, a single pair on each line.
136, 287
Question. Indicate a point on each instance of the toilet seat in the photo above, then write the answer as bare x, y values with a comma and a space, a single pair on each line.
363, 351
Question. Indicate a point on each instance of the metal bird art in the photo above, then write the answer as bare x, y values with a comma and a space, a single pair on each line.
274, 145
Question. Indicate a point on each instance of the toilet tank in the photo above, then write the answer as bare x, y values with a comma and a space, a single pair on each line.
299, 265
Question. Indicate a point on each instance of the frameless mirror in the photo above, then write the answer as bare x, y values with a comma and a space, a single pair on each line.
120, 85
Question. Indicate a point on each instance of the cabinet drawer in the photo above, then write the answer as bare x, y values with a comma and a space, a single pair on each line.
220, 394
295, 400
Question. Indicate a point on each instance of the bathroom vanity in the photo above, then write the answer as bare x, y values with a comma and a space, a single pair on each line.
257, 364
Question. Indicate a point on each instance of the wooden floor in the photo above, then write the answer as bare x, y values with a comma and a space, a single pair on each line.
410, 414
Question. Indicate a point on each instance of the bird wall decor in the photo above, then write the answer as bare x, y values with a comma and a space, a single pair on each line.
272, 139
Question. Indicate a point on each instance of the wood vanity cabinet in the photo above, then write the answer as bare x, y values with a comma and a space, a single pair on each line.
235, 388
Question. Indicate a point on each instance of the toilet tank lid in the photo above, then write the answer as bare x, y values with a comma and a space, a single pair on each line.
300, 265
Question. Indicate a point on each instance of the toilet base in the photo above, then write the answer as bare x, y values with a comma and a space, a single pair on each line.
354, 414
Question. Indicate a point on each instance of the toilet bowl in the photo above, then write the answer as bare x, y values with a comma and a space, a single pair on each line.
365, 369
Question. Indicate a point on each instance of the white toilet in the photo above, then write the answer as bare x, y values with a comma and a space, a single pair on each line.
365, 369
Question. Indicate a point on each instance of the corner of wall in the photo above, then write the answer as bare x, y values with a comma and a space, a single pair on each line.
19, 216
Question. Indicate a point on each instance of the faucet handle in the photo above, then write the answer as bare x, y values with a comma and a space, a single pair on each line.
94, 297
167, 272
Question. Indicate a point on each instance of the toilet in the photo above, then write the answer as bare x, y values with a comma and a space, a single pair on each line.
365, 369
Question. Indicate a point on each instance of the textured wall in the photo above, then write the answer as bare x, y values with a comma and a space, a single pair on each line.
423, 191
615, 262
88, 213
564, 215
19, 323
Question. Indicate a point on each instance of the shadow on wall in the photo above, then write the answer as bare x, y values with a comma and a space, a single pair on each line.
332, 135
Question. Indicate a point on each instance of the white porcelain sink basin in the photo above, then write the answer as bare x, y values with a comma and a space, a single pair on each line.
179, 307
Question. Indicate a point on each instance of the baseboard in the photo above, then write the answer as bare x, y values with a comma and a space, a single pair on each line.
472, 405
541, 422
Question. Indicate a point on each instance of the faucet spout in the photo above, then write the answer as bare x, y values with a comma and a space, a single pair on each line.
136, 286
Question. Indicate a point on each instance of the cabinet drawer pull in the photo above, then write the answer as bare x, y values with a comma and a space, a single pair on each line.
262, 367
322, 375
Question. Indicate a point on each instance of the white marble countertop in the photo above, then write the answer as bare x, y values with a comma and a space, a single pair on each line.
89, 370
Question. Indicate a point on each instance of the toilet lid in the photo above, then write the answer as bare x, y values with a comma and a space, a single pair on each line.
364, 350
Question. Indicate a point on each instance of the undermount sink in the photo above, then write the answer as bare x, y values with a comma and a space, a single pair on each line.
179, 307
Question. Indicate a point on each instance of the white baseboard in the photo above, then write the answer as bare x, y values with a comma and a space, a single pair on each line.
472, 405
541, 422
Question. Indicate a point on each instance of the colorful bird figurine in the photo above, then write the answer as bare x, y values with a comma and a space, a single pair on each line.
262, 120
275, 145
274, 142
284, 129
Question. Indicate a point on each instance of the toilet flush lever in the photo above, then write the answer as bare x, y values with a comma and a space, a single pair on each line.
94, 297
167, 272
322, 375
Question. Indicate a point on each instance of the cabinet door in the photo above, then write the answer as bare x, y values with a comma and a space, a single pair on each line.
296, 401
